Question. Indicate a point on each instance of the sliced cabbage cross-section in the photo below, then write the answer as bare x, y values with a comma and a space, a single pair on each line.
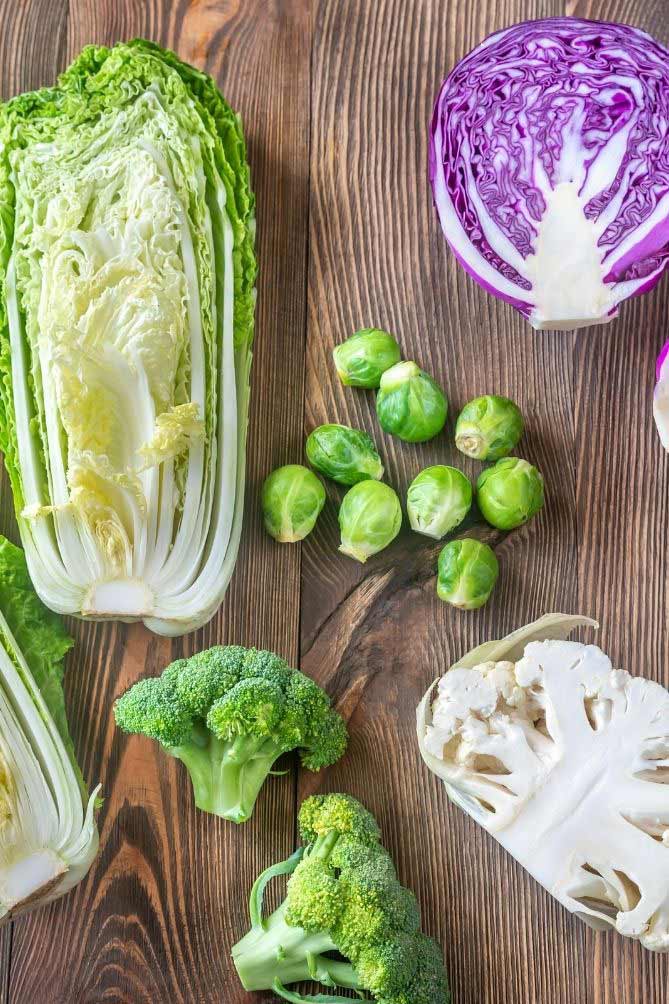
125, 337
48, 836
549, 167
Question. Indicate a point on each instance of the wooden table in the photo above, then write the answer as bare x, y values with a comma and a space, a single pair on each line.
336, 97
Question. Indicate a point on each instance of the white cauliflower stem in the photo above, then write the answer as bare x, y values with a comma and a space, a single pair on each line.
565, 760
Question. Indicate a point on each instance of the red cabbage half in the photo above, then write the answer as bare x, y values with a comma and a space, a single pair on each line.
549, 162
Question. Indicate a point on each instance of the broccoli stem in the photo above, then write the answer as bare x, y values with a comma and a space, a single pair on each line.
295, 998
323, 847
257, 896
227, 776
277, 951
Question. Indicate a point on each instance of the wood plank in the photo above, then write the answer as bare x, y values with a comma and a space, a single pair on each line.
155, 919
5, 960
376, 634
622, 518
31, 45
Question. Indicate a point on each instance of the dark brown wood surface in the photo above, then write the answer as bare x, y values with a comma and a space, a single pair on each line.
336, 97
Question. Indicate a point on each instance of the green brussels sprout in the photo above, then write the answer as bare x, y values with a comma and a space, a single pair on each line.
510, 493
410, 404
343, 454
370, 518
363, 357
292, 499
488, 427
468, 571
438, 500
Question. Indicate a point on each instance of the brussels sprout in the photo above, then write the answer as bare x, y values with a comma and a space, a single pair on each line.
370, 518
292, 498
438, 500
343, 454
410, 404
468, 571
510, 493
488, 427
363, 357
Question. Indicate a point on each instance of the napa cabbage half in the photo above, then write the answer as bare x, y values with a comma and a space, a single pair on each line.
48, 836
128, 270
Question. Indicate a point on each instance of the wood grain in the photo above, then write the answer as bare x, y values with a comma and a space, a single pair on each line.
5, 958
155, 919
377, 633
336, 96
622, 518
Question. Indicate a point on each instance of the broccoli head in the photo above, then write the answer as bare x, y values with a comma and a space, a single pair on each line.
346, 920
228, 714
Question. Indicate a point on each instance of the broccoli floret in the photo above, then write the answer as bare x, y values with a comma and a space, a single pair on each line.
228, 714
150, 708
407, 970
253, 707
346, 920
268, 665
335, 817
205, 677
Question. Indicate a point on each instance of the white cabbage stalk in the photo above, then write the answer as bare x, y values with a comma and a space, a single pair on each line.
48, 836
129, 316
565, 760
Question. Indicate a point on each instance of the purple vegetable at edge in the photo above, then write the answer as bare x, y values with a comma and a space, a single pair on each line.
661, 396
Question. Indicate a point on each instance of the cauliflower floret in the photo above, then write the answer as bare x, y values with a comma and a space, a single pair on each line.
463, 694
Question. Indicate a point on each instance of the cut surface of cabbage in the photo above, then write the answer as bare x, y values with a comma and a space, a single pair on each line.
128, 281
48, 836
549, 167
565, 760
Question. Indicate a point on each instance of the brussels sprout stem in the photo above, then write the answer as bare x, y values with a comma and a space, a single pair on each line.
471, 445
354, 552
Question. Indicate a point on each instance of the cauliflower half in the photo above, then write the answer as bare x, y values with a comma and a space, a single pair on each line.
565, 760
